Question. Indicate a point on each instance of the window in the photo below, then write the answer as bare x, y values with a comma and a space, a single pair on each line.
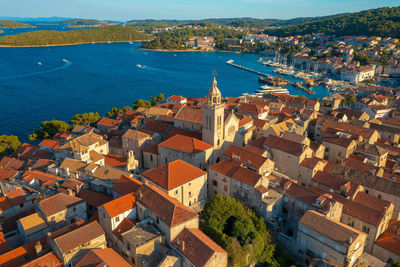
151, 157
190, 193
117, 219
53, 218
214, 183
379, 196
351, 224
74, 209
365, 229
225, 188
176, 192
21, 205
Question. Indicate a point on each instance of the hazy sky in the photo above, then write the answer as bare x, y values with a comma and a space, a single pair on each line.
184, 9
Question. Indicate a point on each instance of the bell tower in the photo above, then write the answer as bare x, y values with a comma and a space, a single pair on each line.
213, 117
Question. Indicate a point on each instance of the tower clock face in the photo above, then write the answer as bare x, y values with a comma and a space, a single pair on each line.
231, 130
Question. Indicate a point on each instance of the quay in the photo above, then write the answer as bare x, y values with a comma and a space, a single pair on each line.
230, 62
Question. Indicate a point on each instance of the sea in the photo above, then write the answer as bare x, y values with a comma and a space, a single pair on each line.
45, 83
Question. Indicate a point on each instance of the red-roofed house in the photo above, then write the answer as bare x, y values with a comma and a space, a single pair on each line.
125, 185
176, 99
188, 149
169, 215
199, 250
181, 181
106, 124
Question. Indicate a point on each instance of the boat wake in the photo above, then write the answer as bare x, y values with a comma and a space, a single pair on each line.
67, 63
144, 67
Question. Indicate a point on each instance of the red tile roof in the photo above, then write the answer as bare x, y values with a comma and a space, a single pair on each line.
44, 178
168, 209
244, 156
115, 161
22, 254
50, 144
247, 176
107, 122
185, 144
225, 167
190, 115
5, 204
389, 242
16, 196
57, 203
12, 163
173, 174
94, 198
285, 145
49, 259
3, 244
120, 205
102, 257
6, 175
78, 237
126, 185
176, 98
126, 225
198, 248
175, 131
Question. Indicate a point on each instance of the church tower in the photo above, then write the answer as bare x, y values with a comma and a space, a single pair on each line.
213, 117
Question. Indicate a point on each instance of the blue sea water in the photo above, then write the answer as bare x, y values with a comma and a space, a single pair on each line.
97, 77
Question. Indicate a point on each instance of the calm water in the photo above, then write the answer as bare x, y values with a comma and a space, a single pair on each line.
101, 76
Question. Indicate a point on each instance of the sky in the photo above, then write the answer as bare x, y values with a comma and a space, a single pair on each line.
123, 10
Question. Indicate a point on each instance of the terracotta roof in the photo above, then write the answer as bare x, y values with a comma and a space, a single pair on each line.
173, 174
252, 108
126, 225
255, 150
50, 144
338, 140
12, 163
102, 257
372, 201
49, 259
109, 173
45, 179
66, 229
168, 209
95, 156
3, 244
175, 131
310, 163
82, 143
389, 242
115, 161
285, 145
16, 196
151, 149
134, 134
26, 151
42, 164
247, 176
4, 204
93, 198
333, 230
225, 167
120, 205
57, 203
190, 115
185, 144
158, 127
244, 156
176, 98
32, 223
107, 122
6, 175
22, 254
78, 237
356, 209
198, 248
126, 185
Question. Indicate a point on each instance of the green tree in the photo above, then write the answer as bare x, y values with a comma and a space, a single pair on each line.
116, 111
239, 231
85, 119
48, 129
350, 99
157, 99
396, 264
8, 144
140, 103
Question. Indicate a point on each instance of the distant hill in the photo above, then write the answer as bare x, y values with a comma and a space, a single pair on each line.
235, 22
102, 34
39, 19
86, 22
373, 22
14, 24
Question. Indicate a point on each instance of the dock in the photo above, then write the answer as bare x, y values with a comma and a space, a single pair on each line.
230, 62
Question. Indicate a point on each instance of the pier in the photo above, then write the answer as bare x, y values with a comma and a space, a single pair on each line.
230, 62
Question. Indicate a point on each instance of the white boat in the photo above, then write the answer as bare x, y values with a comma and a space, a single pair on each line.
138, 65
39, 63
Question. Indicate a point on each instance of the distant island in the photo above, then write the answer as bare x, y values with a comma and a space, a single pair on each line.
10, 24
79, 36
78, 23
1, 31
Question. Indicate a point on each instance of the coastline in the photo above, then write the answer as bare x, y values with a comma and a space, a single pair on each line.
53, 45
187, 50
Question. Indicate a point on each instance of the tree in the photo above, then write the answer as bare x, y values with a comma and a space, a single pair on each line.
396, 264
157, 99
116, 111
350, 99
140, 103
8, 144
48, 129
85, 119
239, 231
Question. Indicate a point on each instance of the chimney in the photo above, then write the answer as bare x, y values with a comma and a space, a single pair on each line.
70, 192
182, 246
350, 240
38, 248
